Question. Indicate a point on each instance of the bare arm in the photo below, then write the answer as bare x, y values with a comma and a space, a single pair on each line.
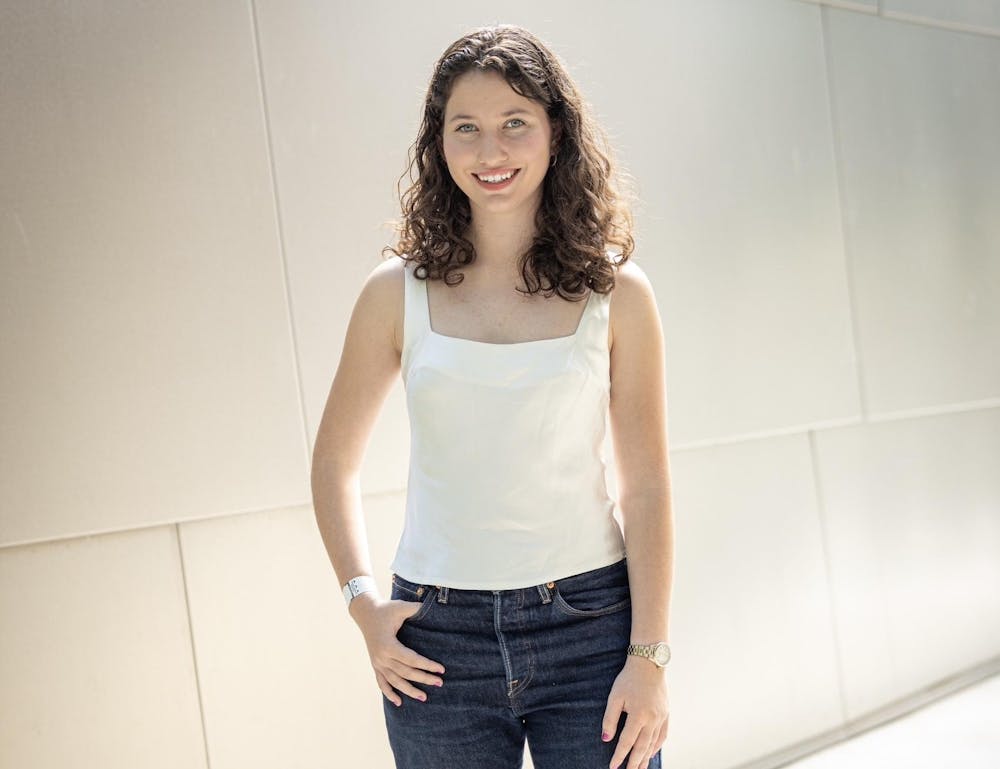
366, 373
638, 428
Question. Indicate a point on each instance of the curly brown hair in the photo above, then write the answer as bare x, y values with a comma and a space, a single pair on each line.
582, 211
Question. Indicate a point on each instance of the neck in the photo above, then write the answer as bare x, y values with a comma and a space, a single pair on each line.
499, 243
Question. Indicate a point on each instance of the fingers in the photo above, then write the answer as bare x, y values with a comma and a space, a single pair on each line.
397, 667
404, 666
661, 736
415, 674
400, 683
387, 690
626, 741
639, 743
612, 714
657, 742
407, 656
642, 749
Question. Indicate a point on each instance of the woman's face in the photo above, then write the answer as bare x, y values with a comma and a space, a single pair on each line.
480, 137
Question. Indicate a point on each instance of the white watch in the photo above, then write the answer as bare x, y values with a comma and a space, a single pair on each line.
358, 585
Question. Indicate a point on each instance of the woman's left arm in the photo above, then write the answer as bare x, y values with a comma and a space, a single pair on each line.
639, 434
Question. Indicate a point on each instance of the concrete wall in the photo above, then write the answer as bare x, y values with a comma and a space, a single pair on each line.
192, 194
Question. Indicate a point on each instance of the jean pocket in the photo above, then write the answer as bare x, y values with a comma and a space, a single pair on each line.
404, 590
594, 594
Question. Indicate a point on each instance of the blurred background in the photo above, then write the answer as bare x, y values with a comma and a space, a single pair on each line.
193, 193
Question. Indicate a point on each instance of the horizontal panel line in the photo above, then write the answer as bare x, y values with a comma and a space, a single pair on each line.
799, 429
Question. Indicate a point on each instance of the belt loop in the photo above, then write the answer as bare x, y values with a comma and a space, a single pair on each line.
543, 591
442, 593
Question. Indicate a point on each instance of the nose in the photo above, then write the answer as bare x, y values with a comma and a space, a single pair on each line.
491, 151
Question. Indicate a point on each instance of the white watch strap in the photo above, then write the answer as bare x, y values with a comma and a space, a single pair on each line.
358, 585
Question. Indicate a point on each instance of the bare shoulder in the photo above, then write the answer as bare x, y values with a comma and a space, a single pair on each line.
365, 375
384, 289
638, 395
633, 302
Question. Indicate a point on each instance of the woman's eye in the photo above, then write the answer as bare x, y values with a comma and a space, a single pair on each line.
459, 129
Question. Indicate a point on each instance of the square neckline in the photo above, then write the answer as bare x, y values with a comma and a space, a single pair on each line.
572, 336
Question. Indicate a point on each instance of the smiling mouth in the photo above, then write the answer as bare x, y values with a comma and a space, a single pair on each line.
497, 185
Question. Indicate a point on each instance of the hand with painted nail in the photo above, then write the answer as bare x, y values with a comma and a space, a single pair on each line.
641, 691
396, 666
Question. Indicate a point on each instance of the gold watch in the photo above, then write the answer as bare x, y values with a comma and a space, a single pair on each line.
658, 653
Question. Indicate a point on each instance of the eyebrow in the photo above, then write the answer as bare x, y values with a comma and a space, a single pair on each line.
508, 113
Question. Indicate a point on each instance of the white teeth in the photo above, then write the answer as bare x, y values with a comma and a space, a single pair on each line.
495, 178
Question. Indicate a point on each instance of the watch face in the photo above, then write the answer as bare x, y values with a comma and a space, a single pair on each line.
662, 654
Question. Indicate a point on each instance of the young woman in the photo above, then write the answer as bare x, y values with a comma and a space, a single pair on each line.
514, 613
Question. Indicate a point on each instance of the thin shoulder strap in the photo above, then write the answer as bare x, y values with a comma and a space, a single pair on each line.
596, 315
593, 336
415, 313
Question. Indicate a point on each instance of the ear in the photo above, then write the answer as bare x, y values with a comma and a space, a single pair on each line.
557, 131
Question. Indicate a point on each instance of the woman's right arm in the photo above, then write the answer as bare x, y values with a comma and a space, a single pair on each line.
369, 365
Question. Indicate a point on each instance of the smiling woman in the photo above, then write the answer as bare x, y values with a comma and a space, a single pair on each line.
490, 143
501, 101
514, 614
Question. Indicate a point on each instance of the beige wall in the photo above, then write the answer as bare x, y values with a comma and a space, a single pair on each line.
192, 194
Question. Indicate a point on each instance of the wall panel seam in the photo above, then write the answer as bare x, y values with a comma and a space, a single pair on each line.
907, 18
280, 229
845, 239
838, 661
194, 653
949, 26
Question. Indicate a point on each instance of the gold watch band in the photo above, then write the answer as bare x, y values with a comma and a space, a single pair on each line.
658, 653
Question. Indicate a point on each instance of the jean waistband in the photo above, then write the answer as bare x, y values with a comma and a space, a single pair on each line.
613, 573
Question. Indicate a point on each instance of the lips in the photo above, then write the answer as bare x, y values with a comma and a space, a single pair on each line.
497, 186
495, 172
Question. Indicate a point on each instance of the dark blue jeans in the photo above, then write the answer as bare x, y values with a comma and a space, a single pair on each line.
533, 663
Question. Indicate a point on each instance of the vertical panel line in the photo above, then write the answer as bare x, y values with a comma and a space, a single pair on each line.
838, 656
279, 225
848, 246
194, 651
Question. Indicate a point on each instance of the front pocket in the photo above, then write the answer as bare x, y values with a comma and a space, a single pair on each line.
403, 590
595, 601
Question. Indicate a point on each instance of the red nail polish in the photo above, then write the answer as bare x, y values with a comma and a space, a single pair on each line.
605, 736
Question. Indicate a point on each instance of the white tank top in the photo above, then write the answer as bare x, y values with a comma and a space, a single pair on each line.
506, 485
